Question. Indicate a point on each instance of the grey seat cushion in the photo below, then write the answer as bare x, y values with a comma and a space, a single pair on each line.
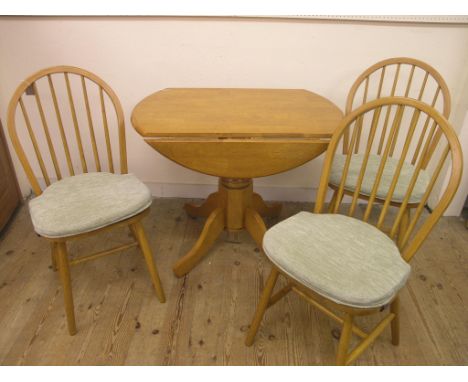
373, 164
341, 258
85, 202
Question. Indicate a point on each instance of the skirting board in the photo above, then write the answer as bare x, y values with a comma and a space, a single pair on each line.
201, 191
268, 193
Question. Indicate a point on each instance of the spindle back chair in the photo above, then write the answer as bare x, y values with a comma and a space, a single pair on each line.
61, 124
448, 154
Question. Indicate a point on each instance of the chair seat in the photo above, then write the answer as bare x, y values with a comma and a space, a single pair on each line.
373, 164
341, 258
86, 202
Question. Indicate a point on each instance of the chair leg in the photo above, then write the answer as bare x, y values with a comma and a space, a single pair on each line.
64, 270
262, 306
139, 232
53, 256
395, 325
344, 340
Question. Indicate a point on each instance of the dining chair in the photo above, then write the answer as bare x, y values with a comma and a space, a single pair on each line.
343, 262
400, 76
72, 122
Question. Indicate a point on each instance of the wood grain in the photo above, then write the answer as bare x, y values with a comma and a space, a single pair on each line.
241, 113
232, 158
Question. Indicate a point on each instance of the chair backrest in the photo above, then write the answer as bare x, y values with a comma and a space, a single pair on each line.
65, 117
407, 118
400, 76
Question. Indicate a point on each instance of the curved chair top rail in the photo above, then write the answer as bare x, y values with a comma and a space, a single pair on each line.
407, 117
70, 118
401, 82
382, 66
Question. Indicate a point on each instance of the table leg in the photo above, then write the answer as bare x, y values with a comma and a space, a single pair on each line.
206, 208
233, 207
212, 229
273, 210
254, 225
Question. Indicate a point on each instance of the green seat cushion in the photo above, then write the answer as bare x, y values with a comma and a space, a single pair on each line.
341, 258
86, 202
372, 167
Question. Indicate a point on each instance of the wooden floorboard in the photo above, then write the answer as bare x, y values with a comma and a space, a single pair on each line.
207, 313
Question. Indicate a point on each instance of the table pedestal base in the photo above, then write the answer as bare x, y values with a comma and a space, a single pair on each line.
233, 207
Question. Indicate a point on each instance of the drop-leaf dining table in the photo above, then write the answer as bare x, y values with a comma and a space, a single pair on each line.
236, 135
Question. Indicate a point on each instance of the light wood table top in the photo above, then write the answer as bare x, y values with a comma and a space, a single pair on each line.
237, 135
221, 132
293, 113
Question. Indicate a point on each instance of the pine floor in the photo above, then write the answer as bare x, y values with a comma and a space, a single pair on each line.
207, 313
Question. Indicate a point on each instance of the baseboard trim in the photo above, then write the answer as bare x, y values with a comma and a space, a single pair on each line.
185, 190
